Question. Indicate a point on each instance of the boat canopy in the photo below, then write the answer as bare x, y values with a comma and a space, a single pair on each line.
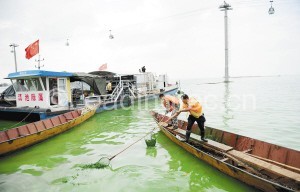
9, 91
97, 83
103, 73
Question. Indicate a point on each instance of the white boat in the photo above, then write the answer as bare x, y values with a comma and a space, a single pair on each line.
42, 94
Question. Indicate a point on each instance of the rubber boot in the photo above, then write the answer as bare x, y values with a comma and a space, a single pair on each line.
187, 136
202, 136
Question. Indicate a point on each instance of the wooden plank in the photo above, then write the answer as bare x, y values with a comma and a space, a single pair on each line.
40, 126
3, 136
62, 119
68, 116
247, 151
163, 124
225, 159
211, 143
31, 127
265, 165
48, 123
220, 146
12, 133
55, 121
23, 130
295, 169
75, 114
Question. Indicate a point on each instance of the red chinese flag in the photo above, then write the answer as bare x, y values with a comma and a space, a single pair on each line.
32, 50
103, 67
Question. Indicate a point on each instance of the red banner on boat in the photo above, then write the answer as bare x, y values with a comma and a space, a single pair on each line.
32, 50
103, 67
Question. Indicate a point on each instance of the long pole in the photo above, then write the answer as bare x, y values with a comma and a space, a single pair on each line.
224, 8
13, 45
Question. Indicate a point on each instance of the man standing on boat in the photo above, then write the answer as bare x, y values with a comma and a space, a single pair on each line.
109, 88
144, 69
195, 108
172, 104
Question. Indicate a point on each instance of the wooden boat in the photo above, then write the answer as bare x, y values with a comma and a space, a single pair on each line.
29, 134
263, 165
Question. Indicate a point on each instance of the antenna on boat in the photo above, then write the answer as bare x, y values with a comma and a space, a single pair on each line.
39, 62
224, 7
271, 9
110, 35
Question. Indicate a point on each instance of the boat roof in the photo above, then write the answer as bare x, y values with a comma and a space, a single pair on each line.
102, 73
38, 73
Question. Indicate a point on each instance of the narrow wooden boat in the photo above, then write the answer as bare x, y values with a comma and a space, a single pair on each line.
29, 134
263, 165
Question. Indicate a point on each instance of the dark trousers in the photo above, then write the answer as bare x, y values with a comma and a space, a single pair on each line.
200, 121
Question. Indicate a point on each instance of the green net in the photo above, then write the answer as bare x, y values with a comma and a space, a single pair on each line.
151, 140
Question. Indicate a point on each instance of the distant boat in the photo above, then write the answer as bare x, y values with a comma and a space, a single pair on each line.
38, 94
128, 89
265, 166
32, 133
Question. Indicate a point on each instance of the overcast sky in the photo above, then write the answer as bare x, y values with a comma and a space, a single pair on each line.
182, 38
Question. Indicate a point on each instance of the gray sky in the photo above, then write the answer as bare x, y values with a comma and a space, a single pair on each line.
182, 38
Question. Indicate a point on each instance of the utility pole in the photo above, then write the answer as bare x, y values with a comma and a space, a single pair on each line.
13, 46
39, 62
224, 7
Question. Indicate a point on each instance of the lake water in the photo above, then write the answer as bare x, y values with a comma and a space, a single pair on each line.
266, 108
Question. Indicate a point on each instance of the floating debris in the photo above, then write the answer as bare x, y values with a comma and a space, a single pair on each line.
97, 165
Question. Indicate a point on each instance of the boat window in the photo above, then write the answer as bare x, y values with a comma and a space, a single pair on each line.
53, 91
20, 85
37, 84
52, 83
62, 84
30, 85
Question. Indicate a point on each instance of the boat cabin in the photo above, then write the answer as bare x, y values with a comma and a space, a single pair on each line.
43, 89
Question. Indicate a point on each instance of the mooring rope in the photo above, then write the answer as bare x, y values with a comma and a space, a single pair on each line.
20, 121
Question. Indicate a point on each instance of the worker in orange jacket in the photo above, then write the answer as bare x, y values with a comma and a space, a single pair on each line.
192, 106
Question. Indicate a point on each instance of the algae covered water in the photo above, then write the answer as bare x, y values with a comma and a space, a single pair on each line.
56, 164
65, 162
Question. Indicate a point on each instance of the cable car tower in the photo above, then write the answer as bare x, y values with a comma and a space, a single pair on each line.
67, 43
225, 7
271, 9
110, 35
